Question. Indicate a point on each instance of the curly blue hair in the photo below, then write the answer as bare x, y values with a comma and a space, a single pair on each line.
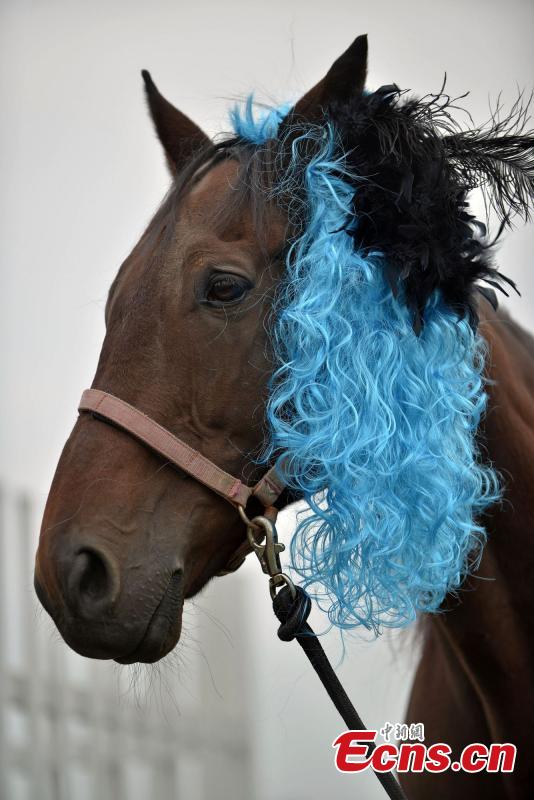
373, 425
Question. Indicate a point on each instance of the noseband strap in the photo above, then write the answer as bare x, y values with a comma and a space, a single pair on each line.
146, 430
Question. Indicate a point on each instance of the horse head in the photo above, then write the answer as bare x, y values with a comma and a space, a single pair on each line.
285, 300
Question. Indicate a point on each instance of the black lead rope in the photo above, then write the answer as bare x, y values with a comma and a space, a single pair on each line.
292, 606
292, 612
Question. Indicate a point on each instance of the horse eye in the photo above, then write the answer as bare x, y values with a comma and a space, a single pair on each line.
223, 289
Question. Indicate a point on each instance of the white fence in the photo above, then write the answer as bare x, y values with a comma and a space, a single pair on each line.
75, 729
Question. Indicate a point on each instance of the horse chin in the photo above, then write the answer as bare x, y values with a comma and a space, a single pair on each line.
163, 630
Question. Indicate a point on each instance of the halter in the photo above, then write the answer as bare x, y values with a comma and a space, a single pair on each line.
267, 490
291, 604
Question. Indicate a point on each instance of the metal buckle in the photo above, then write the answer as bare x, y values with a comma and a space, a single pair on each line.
268, 551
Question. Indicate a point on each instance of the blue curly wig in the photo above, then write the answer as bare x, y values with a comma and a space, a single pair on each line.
373, 424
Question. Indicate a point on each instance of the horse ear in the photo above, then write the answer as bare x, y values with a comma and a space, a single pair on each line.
178, 134
344, 80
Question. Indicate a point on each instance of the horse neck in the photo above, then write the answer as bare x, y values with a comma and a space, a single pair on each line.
508, 439
487, 629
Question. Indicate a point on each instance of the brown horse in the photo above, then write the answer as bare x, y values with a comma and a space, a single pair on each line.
126, 538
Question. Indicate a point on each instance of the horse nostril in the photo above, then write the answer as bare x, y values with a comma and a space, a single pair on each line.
94, 576
93, 583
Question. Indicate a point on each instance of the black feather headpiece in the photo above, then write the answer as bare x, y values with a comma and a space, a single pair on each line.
415, 168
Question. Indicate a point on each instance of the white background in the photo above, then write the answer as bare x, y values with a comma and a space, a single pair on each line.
82, 174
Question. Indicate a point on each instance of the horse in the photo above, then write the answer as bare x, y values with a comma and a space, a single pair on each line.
409, 411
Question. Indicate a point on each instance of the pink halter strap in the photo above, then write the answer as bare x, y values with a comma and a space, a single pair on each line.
171, 448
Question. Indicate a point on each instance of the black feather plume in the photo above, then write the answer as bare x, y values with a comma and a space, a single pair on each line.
414, 166
499, 157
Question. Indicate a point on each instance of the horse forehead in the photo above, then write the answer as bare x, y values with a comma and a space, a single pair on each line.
215, 185
211, 203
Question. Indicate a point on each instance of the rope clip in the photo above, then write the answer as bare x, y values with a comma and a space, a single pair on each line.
263, 539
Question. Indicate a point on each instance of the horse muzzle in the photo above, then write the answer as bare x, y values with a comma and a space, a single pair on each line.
100, 615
